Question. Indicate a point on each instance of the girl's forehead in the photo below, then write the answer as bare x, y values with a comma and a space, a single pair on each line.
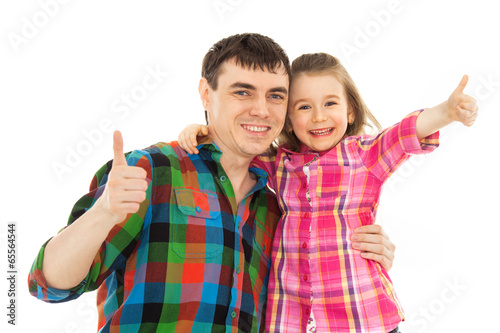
316, 83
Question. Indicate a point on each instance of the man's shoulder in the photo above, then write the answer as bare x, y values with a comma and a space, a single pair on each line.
162, 151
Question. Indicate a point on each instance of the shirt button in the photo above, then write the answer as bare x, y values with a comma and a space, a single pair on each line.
238, 270
198, 209
233, 314
304, 185
308, 312
222, 178
306, 215
304, 245
305, 277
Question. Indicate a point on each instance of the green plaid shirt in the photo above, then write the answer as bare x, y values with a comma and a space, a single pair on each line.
190, 259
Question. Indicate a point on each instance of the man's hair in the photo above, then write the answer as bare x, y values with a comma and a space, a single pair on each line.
249, 50
323, 63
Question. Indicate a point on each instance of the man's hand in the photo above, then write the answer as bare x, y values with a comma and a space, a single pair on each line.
374, 244
69, 255
126, 186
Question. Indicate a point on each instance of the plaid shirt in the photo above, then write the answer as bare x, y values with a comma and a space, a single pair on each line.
312, 252
190, 259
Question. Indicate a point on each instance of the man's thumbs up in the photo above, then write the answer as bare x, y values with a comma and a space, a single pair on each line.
126, 186
119, 157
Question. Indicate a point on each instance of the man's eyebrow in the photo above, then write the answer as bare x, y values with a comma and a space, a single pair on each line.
282, 90
242, 85
249, 86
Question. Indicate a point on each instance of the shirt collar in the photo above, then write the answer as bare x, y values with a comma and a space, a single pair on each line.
303, 150
207, 143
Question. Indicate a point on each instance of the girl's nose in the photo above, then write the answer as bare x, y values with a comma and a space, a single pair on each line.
318, 115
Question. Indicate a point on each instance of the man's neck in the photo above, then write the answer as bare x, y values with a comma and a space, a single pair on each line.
237, 171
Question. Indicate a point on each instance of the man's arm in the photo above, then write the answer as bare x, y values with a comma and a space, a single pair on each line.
374, 244
459, 107
69, 255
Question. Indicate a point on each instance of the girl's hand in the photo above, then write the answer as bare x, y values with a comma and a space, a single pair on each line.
462, 107
187, 138
374, 244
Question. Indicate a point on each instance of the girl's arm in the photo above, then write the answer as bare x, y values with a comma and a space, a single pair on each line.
187, 138
459, 107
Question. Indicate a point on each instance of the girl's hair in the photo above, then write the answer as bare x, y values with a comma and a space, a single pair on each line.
322, 63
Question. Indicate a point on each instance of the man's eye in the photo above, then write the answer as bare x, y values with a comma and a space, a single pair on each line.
242, 93
276, 96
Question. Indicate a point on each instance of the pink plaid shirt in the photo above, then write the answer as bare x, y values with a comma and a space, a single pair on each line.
312, 251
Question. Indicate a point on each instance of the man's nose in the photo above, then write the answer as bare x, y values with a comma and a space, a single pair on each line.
260, 108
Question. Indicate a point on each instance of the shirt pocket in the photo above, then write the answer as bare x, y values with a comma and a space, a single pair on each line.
333, 183
196, 224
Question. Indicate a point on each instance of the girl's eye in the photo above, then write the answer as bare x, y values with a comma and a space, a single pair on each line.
330, 103
304, 107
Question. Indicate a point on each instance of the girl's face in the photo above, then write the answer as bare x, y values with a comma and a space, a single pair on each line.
318, 110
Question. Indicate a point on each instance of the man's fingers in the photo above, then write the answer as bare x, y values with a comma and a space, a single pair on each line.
119, 157
382, 260
130, 172
130, 184
371, 229
126, 197
377, 248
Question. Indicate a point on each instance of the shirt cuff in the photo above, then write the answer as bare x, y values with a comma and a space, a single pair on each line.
408, 134
38, 285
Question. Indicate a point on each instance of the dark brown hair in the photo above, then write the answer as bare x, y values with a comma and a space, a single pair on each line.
249, 50
322, 63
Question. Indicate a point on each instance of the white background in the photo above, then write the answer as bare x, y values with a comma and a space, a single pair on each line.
66, 68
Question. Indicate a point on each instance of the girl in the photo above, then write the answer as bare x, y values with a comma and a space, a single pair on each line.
328, 176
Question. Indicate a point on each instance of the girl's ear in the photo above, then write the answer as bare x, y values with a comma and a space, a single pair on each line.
351, 116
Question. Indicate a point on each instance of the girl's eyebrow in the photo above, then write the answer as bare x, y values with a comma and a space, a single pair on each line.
306, 98
332, 96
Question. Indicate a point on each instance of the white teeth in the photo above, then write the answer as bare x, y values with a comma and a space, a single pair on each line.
322, 132
256, 128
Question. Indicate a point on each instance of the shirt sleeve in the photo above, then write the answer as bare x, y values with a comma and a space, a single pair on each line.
114, 251
267, 162
384, 153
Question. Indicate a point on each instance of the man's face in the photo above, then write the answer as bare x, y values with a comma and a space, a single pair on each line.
247, 111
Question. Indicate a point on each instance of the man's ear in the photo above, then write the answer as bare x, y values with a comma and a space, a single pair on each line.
203, 89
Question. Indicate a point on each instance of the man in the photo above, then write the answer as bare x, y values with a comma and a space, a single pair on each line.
178, 242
